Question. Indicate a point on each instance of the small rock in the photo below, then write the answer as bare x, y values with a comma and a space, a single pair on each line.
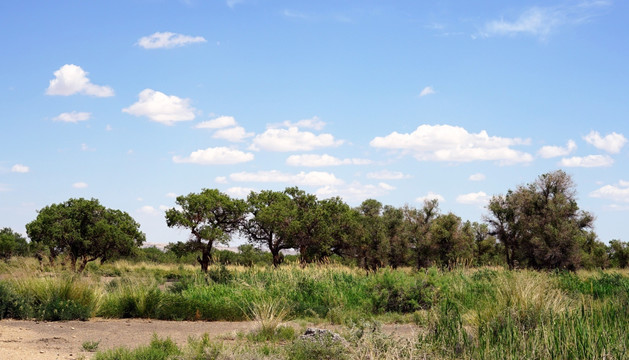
41, 351
316, 334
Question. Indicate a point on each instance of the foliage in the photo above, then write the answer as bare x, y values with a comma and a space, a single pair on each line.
12, 244
210, 216
540, 225
84, 230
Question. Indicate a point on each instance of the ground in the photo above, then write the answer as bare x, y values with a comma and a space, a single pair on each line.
20, 339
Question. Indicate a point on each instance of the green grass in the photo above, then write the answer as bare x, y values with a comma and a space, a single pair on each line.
487, 313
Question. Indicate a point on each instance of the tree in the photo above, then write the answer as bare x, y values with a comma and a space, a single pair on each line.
453, 239
273, 222
372, 244
619, 253
84, 230
540, 224
211, 216
12, 243
399, 252
416, 228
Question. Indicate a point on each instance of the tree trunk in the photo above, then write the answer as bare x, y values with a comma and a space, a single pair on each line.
206, 259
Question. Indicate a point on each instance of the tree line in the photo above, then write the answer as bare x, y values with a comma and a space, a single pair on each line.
537, 225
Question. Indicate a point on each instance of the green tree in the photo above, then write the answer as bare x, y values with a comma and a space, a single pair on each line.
371, 243
12, 244
273, 222
453, 239
540, 224
84, 230
619, 253
417, 224
211, 216
399, 253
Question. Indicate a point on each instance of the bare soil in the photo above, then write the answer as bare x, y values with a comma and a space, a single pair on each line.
21, 339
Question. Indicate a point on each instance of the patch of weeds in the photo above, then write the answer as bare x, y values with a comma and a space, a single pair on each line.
90, 346
322, 348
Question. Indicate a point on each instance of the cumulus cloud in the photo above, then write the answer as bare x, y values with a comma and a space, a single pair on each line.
315, 160
218, 123
354, 191
430, 196
428, 90
453, 143
554, 151
167, 40
19, 168
477, 177
4, 187
72, 117
542, 21
79, 185
387, 175
215, 156
617, 193
587, 161
171, 195
611, 143
234, 134
239, 192
71, 79
313, 123
220, 180
312, 178
161, 108
148, 210
477, 198
292, 139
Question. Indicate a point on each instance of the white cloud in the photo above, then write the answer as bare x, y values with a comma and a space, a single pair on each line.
477, 198
428, 90
554, 151
616, 193
85, 147
312, 178
71, 79
232, 3
161, 108
387, 175
542, 21
477, 177
4, 187
354, 191
587, 161
79, 185
315, 160
215, 156
221, 180
430, 196
108, 128
148, 210
72, 117
167, 40
19, 168
171, 195
453, 143
239, 192
292, 139
234, 134
611, 143
218, 123
313, 123
164, 207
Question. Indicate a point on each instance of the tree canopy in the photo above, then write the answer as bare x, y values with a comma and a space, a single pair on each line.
211, 216
84, 230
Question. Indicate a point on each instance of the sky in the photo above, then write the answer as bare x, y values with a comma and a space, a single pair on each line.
135, 102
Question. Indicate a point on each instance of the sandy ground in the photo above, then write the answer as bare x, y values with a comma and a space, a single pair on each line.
21, 339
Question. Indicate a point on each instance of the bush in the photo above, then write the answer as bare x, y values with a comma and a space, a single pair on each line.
12, 305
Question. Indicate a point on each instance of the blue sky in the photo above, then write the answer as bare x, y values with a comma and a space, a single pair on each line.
135, 102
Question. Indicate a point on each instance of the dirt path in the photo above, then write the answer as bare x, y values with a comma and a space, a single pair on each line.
64, 340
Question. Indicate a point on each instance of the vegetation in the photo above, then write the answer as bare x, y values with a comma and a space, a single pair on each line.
488, 313
84, 230
12, 244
